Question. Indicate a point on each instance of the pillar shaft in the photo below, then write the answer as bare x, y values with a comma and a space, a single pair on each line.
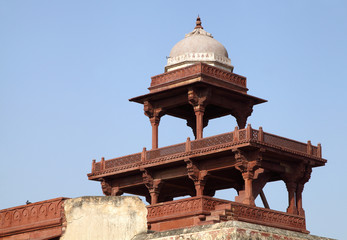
199, 187
299, 190
154, 114
248, 177
154, 197
155, 125
291, 187
199, 114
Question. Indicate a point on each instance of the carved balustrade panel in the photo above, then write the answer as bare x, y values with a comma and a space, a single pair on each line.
315, 151
206, 205
97, 167
267, 216
242, 134
203, 146
161, 152
212, 141
183, 206
285, 143
255, 134
42, 214
133, 158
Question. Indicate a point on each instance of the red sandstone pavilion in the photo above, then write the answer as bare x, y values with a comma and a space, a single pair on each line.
198, 85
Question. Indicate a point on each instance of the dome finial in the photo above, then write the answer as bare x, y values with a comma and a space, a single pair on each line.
198, 23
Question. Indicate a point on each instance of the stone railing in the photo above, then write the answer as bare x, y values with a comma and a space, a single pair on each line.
161, 152
196, 69
212, 141
268, 217
190, 148
34, 216
184, 207
203, 205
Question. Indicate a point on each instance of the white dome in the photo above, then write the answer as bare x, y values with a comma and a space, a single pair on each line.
198, 46
198, 43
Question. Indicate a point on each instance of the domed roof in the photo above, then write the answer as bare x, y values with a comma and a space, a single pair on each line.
198, 46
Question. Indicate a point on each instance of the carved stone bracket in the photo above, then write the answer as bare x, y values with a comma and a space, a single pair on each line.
109, 190
198, 176
291, 187
153, 185
248, 161
247, 164
295, 179
198, 98
241, 113
305, 177
154, 115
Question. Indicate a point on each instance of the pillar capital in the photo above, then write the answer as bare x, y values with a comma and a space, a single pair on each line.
290, 185
247, 161
153, 185
248, 175
198, 176
154, 115
198, 97
155, 120
110, 190
199, 108
247, 164
152, 112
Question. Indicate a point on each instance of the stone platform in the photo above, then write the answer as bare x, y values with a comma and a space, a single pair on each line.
231, 230
125, 218
204, 210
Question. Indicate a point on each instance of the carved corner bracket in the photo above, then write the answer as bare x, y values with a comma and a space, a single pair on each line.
110, 190
198, 176
198, 98
241, 113
153, 185
154, 113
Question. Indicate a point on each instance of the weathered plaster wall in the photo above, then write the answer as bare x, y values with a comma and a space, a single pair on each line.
104, 218
229, 231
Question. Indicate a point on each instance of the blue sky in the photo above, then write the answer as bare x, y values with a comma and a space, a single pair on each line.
68, 68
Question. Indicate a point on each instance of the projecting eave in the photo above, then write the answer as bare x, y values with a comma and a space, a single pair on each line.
165, 93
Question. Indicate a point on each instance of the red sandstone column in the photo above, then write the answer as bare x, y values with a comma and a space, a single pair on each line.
155, 125
154, 115
199, 187
154, 197
299, 190
291, 187
248, 177
199, 114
